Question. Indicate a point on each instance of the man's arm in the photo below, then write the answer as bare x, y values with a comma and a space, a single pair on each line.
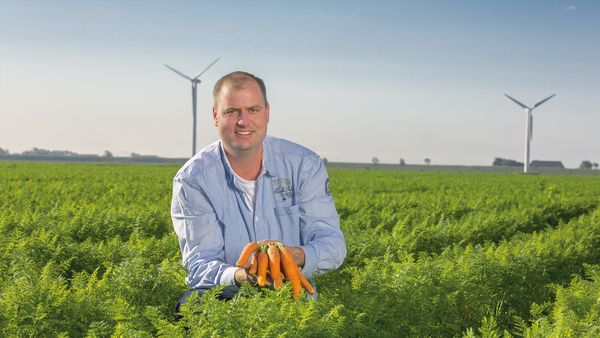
200, 239
324, 247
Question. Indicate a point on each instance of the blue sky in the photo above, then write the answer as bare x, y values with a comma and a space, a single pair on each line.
349, 79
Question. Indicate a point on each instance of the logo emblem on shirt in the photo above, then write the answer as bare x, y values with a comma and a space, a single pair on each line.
327, 191
283, 189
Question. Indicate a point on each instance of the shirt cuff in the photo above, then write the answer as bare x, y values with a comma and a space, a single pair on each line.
228, 276
310, 261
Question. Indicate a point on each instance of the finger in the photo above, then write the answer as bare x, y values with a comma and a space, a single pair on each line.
251, 279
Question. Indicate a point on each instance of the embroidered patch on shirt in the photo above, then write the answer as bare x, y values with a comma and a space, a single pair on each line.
283, 190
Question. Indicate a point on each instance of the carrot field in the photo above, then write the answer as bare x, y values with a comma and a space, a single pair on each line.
89, 250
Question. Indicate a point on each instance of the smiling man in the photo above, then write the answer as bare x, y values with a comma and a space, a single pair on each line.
248, 187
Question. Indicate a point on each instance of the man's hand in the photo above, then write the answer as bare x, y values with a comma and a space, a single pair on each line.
298, 254
241, 275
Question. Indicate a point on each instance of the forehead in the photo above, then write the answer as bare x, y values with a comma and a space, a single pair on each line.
243, 93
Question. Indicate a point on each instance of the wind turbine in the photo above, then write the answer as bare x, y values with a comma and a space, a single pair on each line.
529, 126
195, 81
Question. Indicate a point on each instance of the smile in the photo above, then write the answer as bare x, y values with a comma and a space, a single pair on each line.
244, 132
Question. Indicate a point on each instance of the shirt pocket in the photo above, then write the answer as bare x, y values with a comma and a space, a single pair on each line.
288, 219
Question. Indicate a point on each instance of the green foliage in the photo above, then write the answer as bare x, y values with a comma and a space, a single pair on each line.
575, 312
263, 313
89, 250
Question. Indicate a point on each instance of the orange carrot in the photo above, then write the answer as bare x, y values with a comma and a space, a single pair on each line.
305, 283
246, 252
254, 265
274, 265
290, 269
263, 264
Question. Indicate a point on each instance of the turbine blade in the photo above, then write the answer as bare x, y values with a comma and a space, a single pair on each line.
544, 100
517, 102
205, 69
178, 72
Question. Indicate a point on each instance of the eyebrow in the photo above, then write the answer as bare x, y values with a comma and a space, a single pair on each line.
258, 106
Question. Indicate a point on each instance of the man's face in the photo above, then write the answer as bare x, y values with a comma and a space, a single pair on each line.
241, 117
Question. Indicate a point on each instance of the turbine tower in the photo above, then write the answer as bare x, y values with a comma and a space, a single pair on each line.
529, 126
195, 81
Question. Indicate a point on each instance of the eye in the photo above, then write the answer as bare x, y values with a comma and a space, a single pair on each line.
254, 109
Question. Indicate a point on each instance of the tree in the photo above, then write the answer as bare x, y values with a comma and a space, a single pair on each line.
4, 151
402, 163
585, 165
375, 160
50, 153
107, 154
499, 161
427, 161
595, 165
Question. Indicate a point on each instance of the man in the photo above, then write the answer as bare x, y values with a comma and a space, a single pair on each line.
249, 187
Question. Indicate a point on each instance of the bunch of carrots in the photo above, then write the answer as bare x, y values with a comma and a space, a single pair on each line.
275, 260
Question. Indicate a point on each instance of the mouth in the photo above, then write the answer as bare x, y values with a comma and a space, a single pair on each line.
244, 132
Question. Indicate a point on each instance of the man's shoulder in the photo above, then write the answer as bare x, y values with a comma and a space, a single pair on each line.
285, 147
288, 156
206, 159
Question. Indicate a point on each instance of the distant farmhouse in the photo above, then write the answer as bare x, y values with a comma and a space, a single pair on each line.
547, 164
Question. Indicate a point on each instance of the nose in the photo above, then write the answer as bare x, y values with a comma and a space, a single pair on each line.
242, 120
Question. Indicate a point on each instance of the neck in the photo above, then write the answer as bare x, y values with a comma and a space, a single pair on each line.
246, 164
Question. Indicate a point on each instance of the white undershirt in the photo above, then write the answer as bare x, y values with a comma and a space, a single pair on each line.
249, 188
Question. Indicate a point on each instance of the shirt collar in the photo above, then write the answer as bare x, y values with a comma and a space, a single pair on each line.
269, 167
228, 171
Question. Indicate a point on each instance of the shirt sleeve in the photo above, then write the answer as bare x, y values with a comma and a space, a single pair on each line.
324, 245
200, 238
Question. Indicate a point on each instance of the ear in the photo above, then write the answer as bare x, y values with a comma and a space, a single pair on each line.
268, 110
214, 111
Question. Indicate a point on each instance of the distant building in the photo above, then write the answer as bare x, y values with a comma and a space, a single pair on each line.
547, 164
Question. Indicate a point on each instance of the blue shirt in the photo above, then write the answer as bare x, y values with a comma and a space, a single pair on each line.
293, 205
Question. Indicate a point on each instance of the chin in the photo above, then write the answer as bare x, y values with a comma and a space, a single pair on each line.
242, 146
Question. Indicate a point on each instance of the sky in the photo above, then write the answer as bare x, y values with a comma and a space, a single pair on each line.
351, 80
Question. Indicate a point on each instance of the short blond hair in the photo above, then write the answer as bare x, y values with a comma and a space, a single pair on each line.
237, 79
